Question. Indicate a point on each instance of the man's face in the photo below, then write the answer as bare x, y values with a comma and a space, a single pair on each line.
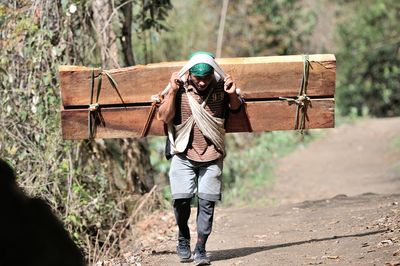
202, 83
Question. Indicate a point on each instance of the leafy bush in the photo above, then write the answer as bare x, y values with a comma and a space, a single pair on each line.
369, 58
72, 176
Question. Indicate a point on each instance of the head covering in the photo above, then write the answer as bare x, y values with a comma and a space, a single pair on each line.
201, 69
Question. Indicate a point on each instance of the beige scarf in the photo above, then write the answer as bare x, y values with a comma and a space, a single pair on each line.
211, 127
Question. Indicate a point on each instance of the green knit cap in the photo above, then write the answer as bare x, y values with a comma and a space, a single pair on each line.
201, 69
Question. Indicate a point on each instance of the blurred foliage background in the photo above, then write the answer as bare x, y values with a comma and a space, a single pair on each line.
368, 54
97, 188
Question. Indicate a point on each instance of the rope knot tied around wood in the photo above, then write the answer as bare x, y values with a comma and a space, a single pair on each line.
94, 112
93, 107
302, 101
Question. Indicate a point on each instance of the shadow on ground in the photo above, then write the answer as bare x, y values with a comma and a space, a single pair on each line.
245, 251
242, 252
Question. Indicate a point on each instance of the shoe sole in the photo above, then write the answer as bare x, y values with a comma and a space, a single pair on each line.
202, 262
183, 260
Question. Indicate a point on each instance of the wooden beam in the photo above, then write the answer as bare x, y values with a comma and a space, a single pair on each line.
263, 116
258, 78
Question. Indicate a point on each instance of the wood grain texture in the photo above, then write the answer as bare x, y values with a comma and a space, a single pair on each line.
263, 116
258, 78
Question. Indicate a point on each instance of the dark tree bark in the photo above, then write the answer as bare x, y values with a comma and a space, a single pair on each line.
126, 38
137, 165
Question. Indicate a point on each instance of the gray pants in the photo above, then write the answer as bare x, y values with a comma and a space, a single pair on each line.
188, 177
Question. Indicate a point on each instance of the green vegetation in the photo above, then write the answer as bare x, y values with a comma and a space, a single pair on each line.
253, 28
87, 183
396, 143
271, 27
250, 162
87, 190
369, 58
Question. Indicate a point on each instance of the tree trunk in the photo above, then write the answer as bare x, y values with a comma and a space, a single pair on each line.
126, 39
135, 155
137, 165
105, 36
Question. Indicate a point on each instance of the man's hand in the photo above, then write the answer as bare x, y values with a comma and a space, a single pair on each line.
175, 81
230, 85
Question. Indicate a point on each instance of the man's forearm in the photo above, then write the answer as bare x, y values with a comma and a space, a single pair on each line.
166, 111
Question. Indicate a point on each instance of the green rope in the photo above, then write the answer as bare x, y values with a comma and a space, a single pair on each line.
94, 115
302, 101
94, 108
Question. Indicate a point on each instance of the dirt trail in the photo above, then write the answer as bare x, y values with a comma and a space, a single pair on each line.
337, 205
351, 160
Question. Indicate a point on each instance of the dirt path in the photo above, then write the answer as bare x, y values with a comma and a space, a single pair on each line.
351, 160
311, 225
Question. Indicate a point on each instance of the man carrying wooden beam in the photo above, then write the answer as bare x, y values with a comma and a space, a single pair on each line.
264, 81
195, 109
270, 85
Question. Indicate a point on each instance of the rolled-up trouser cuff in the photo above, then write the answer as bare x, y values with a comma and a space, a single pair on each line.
210, 197
182, 196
